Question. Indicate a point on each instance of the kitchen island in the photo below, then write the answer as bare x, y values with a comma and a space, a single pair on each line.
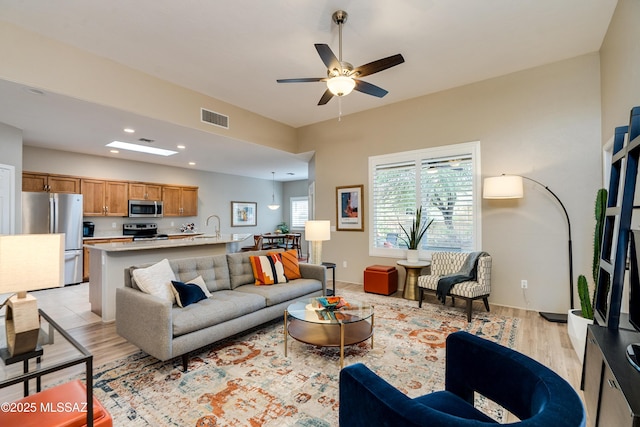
109, 260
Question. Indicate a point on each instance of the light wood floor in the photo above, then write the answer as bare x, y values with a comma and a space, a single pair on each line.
545, 342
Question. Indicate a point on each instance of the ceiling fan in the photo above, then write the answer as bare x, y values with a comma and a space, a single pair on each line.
342, 77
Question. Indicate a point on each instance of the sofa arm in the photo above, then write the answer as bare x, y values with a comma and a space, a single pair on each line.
315, 271
146, 321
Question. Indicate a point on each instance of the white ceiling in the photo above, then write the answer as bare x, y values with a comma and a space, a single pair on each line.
234, 50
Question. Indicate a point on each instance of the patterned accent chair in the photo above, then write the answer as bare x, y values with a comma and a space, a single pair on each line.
443, 263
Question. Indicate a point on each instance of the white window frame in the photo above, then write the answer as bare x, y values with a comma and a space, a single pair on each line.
292, 200
418, 156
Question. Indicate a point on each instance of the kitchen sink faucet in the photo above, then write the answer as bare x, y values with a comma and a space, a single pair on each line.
217, 229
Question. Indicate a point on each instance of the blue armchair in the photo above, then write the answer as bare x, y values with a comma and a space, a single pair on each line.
529, 390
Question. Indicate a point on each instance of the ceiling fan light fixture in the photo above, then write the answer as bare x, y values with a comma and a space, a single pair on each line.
341, 85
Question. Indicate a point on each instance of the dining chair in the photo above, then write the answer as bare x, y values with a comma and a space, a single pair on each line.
257, 244
297, 238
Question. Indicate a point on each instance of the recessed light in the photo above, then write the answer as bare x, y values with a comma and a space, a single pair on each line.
141, 148
182, 147
129, 130
114, 151
192, 163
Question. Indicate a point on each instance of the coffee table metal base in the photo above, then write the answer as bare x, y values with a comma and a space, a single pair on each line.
328, 334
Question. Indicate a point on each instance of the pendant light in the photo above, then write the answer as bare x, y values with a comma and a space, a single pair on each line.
273, 206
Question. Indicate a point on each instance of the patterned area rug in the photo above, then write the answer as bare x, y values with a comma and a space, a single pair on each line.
247, 381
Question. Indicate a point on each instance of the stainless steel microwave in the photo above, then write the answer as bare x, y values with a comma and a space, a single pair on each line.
145, 209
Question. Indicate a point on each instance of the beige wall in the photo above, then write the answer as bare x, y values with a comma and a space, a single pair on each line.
620, 67
43, 63
543, 123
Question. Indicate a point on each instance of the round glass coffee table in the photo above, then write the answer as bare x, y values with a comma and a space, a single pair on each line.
308, 322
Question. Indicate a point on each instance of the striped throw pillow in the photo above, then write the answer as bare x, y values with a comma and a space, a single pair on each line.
267, 269
290, 263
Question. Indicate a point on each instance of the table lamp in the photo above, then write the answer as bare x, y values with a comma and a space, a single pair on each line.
28, 262
510, 187
316, 232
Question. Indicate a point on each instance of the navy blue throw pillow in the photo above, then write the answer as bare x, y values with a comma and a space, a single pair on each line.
187, 293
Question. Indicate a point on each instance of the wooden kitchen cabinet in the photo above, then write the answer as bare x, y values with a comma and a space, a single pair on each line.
42, 182
85, 252
105, 198
180, 201
145, 191
611, 385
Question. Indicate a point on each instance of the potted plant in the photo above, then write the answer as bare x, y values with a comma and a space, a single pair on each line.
282, 228
415, 234
578, 320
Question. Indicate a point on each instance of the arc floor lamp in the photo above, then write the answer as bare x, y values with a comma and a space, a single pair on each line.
510, 187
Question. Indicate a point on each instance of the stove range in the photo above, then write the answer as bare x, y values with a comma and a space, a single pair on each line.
143, 231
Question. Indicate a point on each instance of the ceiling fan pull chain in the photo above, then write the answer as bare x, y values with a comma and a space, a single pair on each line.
339, 108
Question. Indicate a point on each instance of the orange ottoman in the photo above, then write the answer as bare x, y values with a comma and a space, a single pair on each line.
63, 405
381, 279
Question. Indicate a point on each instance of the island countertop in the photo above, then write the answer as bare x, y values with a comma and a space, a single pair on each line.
108, 262
199, 240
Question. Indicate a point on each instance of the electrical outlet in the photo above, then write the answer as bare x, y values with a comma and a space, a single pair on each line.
344, 264
172, 223
524, 284
114, 225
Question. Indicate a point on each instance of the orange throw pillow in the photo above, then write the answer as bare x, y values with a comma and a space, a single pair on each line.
290, 263
267, 269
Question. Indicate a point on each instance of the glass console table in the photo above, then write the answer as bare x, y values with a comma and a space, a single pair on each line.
56, 350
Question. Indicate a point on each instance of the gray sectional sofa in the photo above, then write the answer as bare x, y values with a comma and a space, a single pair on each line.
165, 330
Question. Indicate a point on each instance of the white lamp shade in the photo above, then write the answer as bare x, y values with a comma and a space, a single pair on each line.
29, 262
503, 187
341, 85
315, 231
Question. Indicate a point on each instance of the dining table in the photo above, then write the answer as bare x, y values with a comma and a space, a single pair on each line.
274, 240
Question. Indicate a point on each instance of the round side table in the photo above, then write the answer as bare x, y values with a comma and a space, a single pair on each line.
413, 269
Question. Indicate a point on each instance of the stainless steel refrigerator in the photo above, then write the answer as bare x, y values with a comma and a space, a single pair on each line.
44, 213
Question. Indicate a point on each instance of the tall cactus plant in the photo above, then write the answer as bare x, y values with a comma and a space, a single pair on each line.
601, 207
583, 287
585, 297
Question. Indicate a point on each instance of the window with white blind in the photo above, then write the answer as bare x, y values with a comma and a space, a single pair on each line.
299, 212
444, 181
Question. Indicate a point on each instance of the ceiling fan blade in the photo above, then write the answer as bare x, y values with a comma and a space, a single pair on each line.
328, 57
303, 80
376, 66
369, 89
326, 97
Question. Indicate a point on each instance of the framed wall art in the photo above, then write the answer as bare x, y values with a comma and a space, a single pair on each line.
244, 214
350, 208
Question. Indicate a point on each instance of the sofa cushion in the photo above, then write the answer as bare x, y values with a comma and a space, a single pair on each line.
267, 269
222, 306
281, 292
156, 280
187, 293
290, 263
240, 269
213, 269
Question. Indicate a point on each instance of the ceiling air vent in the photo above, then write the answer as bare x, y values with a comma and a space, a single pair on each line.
214, 118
